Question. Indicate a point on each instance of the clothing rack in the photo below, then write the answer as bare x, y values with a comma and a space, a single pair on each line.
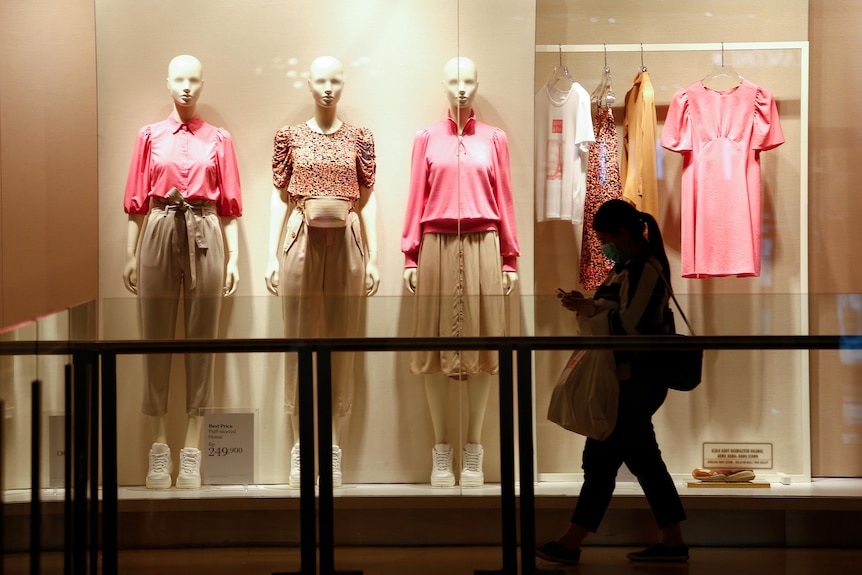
688, 47
803, 48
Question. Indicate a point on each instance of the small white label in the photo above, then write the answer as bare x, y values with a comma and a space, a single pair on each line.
229, 451
737, 455
57, 451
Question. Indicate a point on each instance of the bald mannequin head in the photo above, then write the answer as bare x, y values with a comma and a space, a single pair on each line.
461, 81
185, 81
326, 81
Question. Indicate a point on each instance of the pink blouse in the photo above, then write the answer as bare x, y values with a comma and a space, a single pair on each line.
196, 158
460, 184
314, 164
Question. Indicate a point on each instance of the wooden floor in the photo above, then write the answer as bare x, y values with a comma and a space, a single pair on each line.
463, 561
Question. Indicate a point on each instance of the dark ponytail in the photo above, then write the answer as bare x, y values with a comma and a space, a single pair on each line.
615, 215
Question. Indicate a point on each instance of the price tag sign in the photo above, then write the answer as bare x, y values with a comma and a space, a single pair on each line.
737, 455
57, 450
228, 451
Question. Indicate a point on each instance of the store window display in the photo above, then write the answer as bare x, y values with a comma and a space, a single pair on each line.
461, 251
323, 239
182, 197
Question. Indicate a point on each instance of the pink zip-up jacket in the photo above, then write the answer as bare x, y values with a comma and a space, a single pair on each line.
460, 184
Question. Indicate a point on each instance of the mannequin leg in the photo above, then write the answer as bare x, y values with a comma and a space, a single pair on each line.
478, 391
159, 469
157, 426
437, 393
193, 431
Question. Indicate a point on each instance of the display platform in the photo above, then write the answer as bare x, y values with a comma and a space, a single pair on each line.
815, 514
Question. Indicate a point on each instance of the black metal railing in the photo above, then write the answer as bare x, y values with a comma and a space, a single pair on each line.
93, 375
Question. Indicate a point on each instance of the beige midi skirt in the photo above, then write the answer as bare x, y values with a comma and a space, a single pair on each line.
459, 293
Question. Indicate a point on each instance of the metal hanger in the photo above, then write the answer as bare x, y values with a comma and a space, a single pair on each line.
561, 72
722, 77
603, 95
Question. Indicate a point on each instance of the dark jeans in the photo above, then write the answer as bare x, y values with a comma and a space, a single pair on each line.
632, 442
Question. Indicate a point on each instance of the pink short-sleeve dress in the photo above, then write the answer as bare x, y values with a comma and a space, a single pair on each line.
720, 135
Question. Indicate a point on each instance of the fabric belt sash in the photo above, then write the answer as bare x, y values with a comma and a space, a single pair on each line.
193, 211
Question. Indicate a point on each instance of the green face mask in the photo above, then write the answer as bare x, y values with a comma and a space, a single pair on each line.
613, 253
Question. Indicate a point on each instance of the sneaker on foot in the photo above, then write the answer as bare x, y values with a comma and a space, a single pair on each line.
294, 477
189, 476
441, 466
337, 477
159, 472
557, 553
661, 553
471, 466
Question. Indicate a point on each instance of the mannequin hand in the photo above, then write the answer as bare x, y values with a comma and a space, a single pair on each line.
372, 279
410, 279
231, 279
272, 277
130, 274
510, 281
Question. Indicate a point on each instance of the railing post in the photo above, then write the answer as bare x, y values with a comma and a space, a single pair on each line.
110, 507
68, 519
81, 391
525, 454
509, 518
307, 503
94, 464
35, 477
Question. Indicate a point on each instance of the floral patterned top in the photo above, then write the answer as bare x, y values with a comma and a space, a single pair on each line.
314, 164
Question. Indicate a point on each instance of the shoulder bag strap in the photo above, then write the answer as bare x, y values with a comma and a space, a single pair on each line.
670, 290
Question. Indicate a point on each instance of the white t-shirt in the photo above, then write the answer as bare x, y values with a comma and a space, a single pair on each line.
564, 132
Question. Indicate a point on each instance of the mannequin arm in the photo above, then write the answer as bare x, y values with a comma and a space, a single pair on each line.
231, 277
510, 282
410, 279
368, 217
278, 213
130, 271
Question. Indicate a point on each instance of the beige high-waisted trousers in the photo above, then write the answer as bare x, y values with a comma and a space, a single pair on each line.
322, 285
459, 293
165, 267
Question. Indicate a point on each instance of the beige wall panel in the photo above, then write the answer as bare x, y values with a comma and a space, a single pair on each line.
48, 234
254, 56
836, 210
664, 21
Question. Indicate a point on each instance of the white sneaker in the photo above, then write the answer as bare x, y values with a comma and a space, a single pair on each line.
189, 476
294, 478
159, 472
337, 477
471, 466
441, 466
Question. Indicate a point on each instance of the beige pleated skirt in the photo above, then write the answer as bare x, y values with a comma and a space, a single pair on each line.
459, 293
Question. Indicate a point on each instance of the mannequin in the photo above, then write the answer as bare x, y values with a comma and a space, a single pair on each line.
322, 260
184, 181
459, 238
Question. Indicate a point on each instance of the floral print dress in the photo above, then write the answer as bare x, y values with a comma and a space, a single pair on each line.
603, 184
